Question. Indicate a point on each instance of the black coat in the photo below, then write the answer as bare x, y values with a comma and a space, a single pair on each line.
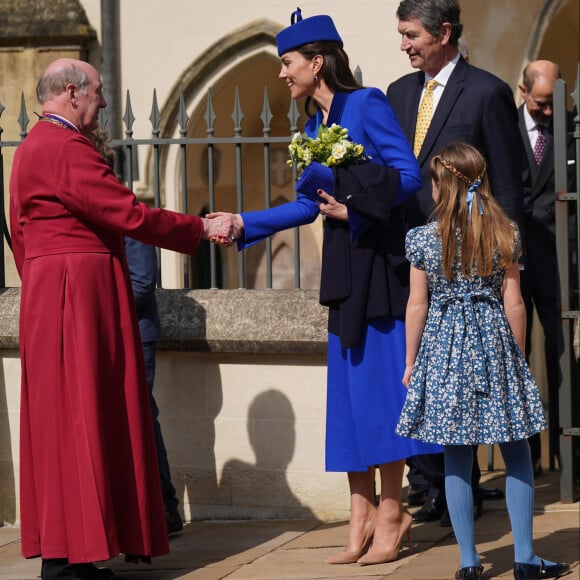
367, 277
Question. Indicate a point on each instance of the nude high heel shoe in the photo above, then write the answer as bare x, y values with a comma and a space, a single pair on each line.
352, 556
382, 556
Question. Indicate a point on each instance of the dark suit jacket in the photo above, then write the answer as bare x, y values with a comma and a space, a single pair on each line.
540, 195
142, 261
478, 108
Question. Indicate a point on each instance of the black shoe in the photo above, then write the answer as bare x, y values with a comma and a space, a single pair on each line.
431, 511
469, 573
91, 572
533, 571
490, 493
59, 568
417, 496
55, 568
173, 522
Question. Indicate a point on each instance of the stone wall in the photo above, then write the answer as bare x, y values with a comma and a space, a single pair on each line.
241, 386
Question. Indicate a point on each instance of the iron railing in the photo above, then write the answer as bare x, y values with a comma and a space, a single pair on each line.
568, 254
127, 169
566, 204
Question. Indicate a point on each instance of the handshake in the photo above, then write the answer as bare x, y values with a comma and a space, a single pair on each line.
222, 228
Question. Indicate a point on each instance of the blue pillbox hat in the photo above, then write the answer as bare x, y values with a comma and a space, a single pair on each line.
300, 32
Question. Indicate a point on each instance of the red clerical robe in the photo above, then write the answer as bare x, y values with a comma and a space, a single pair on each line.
89, 483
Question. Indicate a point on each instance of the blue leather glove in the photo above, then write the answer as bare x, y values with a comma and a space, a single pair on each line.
315, 176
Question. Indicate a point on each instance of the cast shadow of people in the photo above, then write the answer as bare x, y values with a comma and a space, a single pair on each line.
558, 546
247, 493
261, 489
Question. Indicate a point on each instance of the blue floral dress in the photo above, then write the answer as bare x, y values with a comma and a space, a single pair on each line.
470, 383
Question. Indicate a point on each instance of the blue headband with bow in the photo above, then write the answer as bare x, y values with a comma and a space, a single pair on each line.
470, 193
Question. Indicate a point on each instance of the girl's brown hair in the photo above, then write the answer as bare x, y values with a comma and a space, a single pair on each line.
485, 230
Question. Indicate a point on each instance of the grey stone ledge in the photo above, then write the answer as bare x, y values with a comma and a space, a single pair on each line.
224, 321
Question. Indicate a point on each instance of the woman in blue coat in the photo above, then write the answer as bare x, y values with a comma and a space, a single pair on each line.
364, 279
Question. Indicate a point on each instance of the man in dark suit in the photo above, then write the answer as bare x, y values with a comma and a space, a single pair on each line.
539, 280
470, 105
142, 262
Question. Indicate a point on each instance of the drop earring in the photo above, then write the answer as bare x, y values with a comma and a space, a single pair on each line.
315, 79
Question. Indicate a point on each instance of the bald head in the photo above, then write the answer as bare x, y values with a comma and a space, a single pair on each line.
537, 89
545, 70
59, 74
72, 89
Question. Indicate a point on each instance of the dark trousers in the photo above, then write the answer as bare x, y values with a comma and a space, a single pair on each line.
539, 283
170, 501
428, 472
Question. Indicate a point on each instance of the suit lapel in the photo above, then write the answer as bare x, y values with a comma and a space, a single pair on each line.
451, 93
412, 109
542, 172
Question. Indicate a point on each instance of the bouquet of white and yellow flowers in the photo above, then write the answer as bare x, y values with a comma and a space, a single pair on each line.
314, 158
331, 147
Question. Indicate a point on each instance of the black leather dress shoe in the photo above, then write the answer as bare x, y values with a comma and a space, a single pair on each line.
533, 571
417, 496
173, 522
469, 573
59, 569
91, 572
490, 493
431, 511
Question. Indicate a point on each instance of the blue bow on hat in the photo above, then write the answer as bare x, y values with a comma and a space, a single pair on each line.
303, 31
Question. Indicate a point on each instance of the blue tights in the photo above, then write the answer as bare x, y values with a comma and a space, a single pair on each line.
519, 499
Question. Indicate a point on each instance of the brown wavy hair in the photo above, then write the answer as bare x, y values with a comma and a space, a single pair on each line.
484, 236
335, 69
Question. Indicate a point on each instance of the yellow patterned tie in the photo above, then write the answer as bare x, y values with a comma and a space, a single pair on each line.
424, 116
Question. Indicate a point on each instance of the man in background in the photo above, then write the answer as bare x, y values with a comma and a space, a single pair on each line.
540, 278
448, 100
142, 261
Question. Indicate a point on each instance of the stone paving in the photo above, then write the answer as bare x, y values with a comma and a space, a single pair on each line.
277, 550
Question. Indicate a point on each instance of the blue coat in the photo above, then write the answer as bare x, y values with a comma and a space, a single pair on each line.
478, 108
364, 275
370, 121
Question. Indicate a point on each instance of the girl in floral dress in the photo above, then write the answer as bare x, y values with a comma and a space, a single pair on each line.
468, 382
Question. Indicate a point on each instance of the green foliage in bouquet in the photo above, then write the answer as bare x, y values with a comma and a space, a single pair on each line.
331, 147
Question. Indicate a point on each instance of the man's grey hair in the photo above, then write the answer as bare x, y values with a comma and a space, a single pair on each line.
55, 83
432, 14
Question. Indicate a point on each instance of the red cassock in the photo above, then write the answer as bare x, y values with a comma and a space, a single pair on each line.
89, 482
